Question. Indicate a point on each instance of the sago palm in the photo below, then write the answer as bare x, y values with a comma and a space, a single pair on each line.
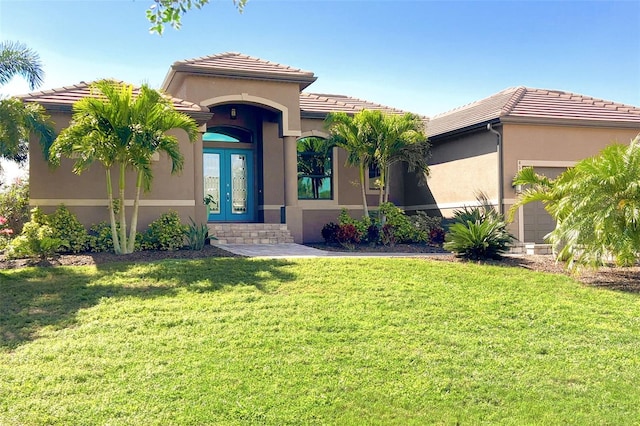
122, 129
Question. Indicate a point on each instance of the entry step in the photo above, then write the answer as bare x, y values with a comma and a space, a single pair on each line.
249, 233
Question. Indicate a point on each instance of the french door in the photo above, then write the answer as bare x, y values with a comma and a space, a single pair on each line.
228, 184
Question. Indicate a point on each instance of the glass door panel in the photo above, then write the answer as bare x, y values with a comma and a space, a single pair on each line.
228, 184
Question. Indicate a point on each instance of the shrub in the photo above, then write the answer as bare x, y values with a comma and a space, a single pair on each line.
473, 238
66, 227
330, 232
373, 234
14, 205
36, 239
388, 235
165, 233
436, 236
361, 225
348, 236
429, 227
403, 229
197, 235
100, 238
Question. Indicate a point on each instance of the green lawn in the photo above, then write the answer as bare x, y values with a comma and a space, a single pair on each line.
314, 341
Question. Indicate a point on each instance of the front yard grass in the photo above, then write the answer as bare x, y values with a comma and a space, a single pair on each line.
314, 341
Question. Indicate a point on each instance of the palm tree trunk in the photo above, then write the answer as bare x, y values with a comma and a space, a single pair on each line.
383, 184
387, 179
365, 207
123, 216
112, 217
134, 217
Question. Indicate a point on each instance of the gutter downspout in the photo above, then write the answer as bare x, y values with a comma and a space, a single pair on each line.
500, 169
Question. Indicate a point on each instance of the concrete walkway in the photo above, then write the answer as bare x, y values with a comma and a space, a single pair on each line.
291, 250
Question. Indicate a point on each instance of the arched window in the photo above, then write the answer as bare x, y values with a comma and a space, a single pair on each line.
315, 169
227, 134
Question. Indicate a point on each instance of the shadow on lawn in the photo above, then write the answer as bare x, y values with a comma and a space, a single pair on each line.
34, 298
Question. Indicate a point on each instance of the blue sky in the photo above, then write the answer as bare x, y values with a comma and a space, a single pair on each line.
422, 56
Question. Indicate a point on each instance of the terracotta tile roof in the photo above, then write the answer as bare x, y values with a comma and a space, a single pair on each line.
64, 97
523, 103
234, 64
318, 105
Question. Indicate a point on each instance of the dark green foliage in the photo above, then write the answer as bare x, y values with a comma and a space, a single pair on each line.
165, 233
100, 239
66, 227
14, 205
403, 229
429, 227
478, 233
330, 232
373, 234
197, 235
37, 239
348, 236
361, 225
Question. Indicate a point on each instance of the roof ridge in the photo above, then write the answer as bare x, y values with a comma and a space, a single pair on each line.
513, 101
474, 103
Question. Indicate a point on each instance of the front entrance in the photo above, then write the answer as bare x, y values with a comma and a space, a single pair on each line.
228, 184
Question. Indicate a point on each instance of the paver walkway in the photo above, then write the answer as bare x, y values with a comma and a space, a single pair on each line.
292, 250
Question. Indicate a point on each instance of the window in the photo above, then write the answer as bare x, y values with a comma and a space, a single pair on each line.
374, 176
315, 168
227, 134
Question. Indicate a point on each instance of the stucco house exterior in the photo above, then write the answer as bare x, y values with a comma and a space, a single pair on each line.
479, 147
254, 114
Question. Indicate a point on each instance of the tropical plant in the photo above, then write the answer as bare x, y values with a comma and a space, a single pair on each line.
123, 129
354, 134
399, 138
18, 119
17, 59
596, 205
478, 232
197, 235
480, 239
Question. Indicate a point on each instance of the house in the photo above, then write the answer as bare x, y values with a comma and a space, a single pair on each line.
255, 116
479, 147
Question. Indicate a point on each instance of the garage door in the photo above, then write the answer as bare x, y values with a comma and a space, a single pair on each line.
537, 222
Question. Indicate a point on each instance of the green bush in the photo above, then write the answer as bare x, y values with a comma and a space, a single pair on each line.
100, 238
165, 233
361, 225
14, 205
37, 239
478, 233
404, 230
330, 232
197, 235
66, 227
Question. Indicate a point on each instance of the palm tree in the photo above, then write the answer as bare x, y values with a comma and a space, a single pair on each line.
123, 130
596, 205
17, 119
18, 59
400, 138
354, 134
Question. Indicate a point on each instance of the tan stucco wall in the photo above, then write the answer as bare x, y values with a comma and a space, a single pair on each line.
460, 168
86, 194
551, 146
205, 91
